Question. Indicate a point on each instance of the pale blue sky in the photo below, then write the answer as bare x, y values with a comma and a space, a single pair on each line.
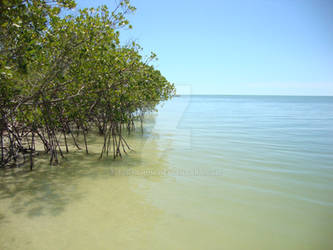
272, 47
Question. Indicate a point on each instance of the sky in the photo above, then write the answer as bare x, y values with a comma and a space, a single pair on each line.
242, 47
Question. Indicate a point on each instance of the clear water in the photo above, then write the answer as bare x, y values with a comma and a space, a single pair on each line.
210, 172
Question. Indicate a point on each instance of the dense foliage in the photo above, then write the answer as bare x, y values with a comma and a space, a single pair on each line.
63, 73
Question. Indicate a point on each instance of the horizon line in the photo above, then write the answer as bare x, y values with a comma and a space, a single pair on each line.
252, 95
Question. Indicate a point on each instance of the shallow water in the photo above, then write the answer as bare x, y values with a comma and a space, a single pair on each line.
210, 172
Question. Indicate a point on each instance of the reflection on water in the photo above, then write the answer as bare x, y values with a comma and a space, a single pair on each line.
81, 204
208, 173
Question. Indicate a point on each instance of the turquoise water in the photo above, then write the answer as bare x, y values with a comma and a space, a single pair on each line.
210, 172
276, 158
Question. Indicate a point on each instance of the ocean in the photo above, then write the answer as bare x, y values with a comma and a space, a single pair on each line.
209, 172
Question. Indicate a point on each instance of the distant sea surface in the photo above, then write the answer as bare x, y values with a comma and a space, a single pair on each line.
210, 172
